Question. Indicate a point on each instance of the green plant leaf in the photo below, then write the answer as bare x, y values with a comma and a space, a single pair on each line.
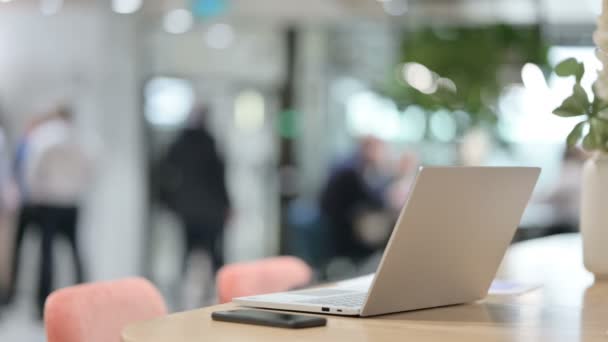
600, 127
581, 95
598, 104
570, 67
576, 104
575, 134
592, 141
571, 106
589, 142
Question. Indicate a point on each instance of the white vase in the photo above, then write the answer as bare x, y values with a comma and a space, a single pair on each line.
594, 214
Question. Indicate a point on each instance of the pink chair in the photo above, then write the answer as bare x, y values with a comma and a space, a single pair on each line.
97, 312
261, 276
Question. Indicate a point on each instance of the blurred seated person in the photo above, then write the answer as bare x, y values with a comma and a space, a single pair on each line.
192, 184
352, 201
399, 190
475, 147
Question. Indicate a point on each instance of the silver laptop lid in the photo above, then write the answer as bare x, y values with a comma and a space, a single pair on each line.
450, 237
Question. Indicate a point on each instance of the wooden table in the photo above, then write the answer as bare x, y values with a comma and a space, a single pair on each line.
569, 307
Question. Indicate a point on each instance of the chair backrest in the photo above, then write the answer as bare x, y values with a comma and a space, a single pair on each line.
262, 276
97, 312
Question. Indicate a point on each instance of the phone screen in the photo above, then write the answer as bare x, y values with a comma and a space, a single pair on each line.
269, 318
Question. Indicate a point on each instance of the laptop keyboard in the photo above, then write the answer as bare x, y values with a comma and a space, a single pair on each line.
351, 300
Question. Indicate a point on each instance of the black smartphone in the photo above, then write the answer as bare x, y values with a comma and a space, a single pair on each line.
268, 318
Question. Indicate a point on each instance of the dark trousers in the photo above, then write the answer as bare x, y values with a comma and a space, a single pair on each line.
52, 222
57, 221
200, 236
27, 218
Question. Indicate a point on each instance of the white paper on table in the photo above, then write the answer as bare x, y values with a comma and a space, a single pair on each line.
510, 288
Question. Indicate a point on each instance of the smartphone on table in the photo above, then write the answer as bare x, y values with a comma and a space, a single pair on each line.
269, 318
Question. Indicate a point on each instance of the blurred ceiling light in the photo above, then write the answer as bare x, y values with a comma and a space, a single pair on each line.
419, 77
168, 101
5, 1
369, 113
395, 7
219, 36
178, 21
249, 111
447, 83
533, 78
126, 6
50, 7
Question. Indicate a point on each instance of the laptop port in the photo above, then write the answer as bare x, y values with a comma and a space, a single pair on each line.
339, 310
324, 309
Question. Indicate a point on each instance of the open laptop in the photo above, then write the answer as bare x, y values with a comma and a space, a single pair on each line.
445, 249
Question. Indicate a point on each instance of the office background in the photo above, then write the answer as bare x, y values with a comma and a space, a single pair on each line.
294, 91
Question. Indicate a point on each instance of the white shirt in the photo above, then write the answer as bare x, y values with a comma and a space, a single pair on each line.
57, 168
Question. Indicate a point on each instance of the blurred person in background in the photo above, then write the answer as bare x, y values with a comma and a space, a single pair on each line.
27, 216
57, 175
398, 192
353, 200
475, 148
192, 184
